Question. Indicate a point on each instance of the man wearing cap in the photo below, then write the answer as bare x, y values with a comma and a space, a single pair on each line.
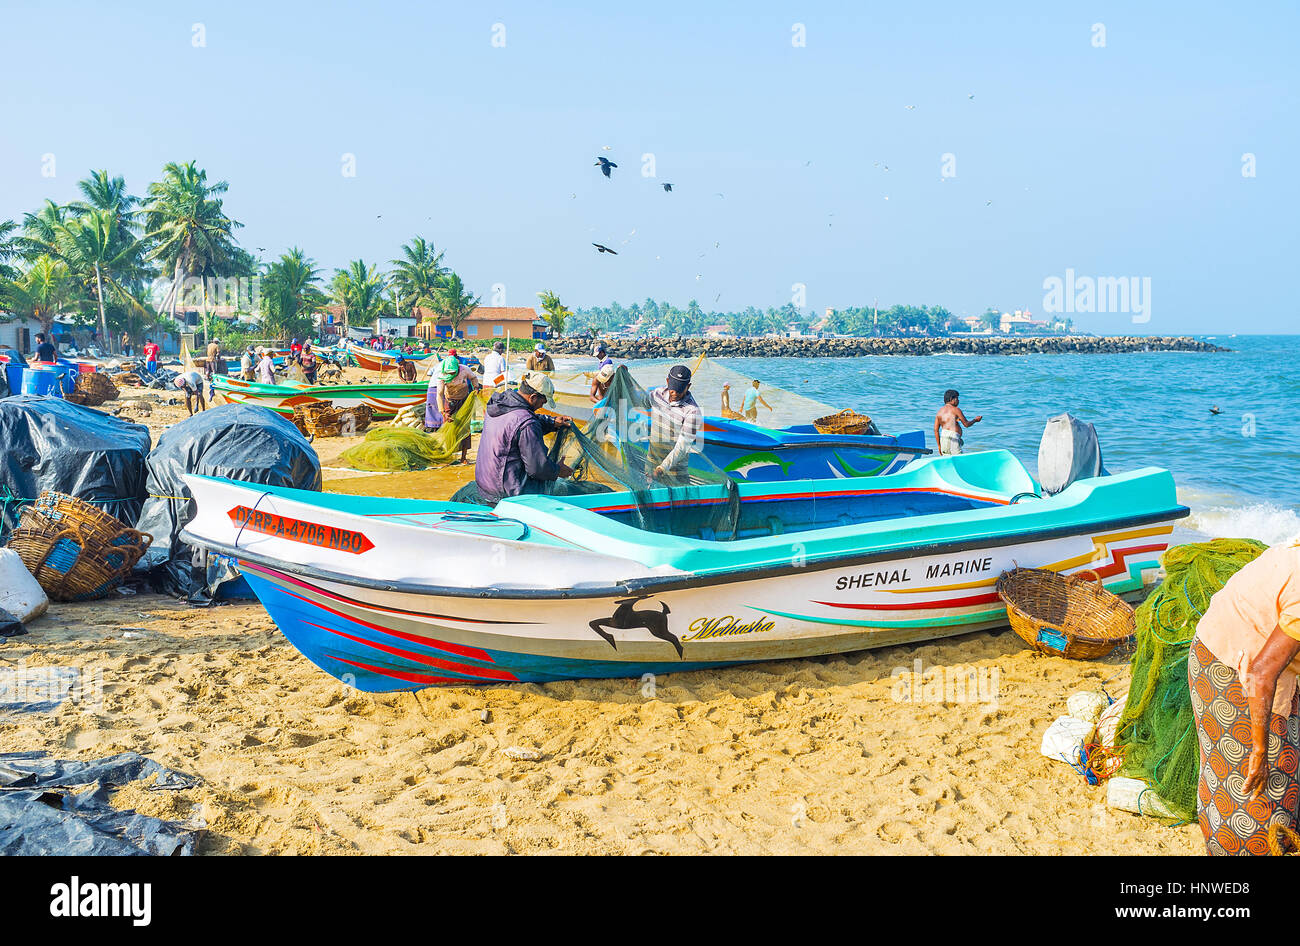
600, 383
675, 421
265, 366
602, 357
539, 360
246, 363
405, 369
512, 456
191, 382
494, 366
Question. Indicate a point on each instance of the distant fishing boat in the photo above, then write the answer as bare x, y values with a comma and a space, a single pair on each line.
384, 399
391, 594
372, 360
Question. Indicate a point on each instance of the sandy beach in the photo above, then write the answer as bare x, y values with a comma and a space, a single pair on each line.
808, 756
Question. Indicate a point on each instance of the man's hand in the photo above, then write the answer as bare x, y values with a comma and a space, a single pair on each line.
977, 419
562, 421
565, 471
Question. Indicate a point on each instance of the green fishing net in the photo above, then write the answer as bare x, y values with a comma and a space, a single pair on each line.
393, 449
1157, 732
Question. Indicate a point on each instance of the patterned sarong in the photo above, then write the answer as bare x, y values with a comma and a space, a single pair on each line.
1232, 822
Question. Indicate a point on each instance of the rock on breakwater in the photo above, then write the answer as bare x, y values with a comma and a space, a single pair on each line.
679, 347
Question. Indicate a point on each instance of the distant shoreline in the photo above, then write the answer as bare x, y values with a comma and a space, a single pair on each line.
629, 349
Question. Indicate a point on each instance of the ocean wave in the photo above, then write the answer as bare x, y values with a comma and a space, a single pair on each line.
1259, 520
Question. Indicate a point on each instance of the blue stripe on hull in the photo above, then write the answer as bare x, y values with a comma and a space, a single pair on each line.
309, 628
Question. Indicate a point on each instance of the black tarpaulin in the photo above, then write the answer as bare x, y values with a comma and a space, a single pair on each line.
61, 807
49, 443
233, 441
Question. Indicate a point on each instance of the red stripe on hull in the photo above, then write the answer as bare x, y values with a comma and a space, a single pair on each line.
480, 673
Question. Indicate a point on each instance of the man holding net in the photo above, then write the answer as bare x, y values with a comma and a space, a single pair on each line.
512, 456
675, 423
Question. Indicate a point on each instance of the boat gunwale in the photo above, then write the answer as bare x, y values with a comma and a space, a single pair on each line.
660, 584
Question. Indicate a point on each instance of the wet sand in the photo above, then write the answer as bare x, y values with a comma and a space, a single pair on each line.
808, 756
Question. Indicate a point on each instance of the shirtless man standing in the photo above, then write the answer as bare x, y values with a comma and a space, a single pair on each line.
948, 423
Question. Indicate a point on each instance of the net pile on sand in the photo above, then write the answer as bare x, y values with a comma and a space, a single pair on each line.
400, 448
1157, 732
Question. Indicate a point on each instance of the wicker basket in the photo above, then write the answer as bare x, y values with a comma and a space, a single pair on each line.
77, 397
96, 388
76, 551
325, 420
846, 421
301, 411
1065, 615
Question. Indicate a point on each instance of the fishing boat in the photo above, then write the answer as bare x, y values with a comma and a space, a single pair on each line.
384, 399
372, 360
750, 452
391, 594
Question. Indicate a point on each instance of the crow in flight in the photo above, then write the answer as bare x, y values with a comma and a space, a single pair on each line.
602, 248
605, 165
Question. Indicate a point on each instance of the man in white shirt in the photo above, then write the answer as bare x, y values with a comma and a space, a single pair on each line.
494, 367
265, 367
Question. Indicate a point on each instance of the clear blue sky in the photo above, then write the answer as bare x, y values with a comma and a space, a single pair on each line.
1116, 161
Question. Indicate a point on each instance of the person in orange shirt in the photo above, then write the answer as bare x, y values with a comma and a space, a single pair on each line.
1242, 668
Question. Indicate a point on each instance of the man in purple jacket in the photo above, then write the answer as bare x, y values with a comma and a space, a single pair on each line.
512, 458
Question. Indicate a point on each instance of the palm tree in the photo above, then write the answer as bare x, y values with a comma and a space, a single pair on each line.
359, 289
418, 276
453, 304
41, 293
556, 314
92, 244
189, 229
290, 293
39, 230
9, 249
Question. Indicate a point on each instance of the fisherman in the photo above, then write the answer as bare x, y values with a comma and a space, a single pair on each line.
191, 382
151, 353
602, 357
675, 423
512, 456
1241, 669
310, 363
600, 383
295, 349
948, 423
539, 360
494, 366
247, 362
405, 370
45, 350
214, 363
126, 344
453, 387
265, 366
752, 400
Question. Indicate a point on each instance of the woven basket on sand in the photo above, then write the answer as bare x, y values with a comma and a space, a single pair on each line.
325, 420
1066, 615
76, 551
96, 388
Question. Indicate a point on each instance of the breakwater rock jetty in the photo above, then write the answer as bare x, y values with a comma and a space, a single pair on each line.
848, 347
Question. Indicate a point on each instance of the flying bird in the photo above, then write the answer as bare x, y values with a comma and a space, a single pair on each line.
668, 187
605, 164
699, 276
909, 107
971, 96
988, 203
606, 148
601, 248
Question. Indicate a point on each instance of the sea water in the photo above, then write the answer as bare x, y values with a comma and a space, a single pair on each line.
1238, 470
